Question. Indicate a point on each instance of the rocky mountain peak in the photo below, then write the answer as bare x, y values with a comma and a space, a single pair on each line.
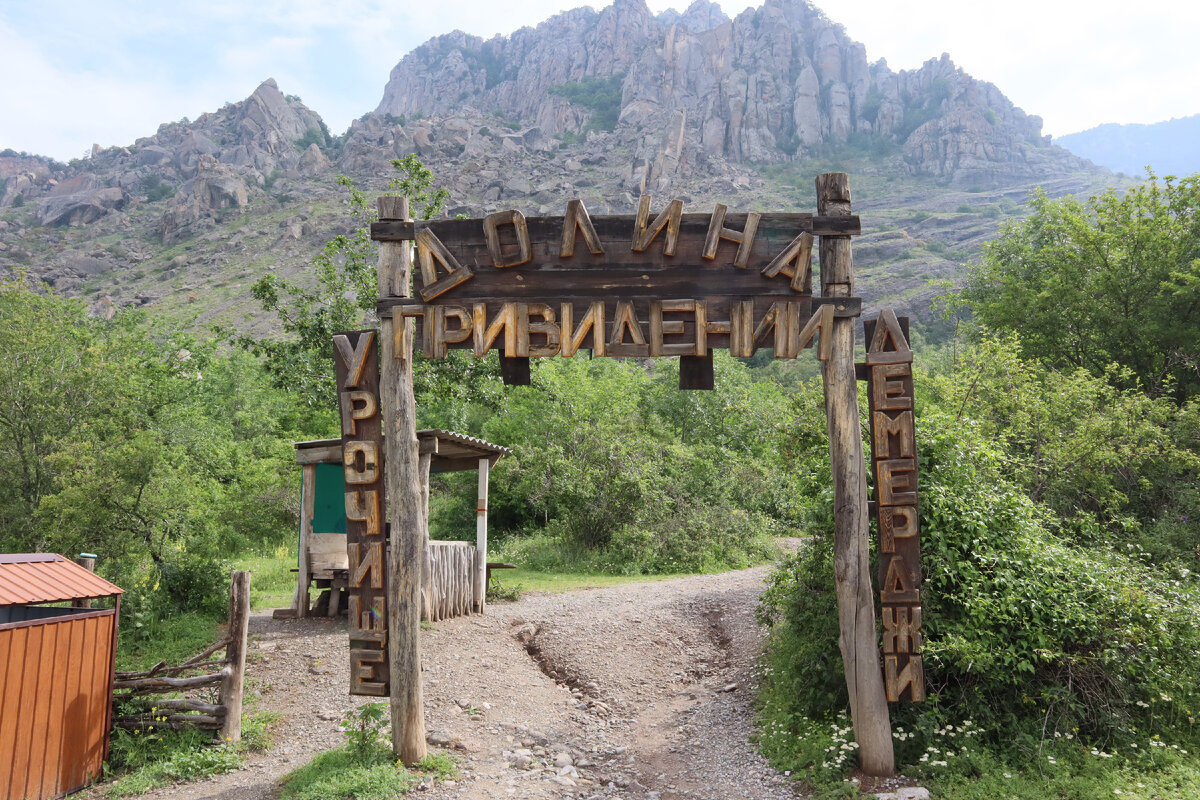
779, 82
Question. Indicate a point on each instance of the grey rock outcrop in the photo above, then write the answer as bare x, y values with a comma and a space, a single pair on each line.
79, 208
778, 82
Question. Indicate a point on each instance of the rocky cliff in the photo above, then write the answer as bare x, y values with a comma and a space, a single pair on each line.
779, 82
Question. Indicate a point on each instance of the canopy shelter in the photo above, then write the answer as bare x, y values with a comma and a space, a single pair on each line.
453, 582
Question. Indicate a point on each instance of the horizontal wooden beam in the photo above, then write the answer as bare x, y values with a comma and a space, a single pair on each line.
619, 227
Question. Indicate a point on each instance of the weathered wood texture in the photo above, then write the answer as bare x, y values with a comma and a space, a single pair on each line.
308, 494
636, 328
135, 690
855, 597
233, 686
55, 678
452, 569
479, 568
890, 396
365, 543
405, 507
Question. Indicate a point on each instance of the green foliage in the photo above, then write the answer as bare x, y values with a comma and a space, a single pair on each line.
1113, 279
601, 95
155, 189
18, 200
147, 760
314, 135
151, 449
617, 469
364, 728
339, 773
1042, 622
344, 297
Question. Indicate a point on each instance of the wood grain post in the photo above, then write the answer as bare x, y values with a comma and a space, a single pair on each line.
479, 590
308, 509
405, 506
851, 559
88, 563
235, 656
424, 466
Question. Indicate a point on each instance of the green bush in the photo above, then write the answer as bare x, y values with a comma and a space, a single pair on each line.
601, 95
1024, 633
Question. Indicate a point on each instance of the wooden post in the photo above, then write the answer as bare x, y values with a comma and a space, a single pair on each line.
405, 507
855, 595
426, 555
235, 656
88, 563
308, 506
479, 590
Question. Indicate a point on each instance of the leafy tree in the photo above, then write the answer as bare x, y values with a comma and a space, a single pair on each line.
1114, 279
344, 297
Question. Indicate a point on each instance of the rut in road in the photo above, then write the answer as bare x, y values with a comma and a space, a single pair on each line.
639, 690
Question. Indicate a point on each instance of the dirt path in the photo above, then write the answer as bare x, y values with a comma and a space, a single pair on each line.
638, 691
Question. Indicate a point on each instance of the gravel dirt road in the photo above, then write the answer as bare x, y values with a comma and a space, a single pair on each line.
636, 691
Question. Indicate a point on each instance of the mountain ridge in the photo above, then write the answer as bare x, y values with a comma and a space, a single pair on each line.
184, 219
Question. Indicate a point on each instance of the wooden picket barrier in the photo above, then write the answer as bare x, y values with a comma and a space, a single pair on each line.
449, 588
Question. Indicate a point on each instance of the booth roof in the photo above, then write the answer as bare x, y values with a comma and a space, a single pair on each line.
48, 578
454, 450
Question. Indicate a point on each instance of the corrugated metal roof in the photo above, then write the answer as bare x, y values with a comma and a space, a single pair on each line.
478, 445
47, 578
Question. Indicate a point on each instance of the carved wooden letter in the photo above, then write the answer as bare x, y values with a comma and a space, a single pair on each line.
401, 340
900, 583
486, 334
491, 231
821, 321
660, 327
526, 327
363, 506
573, 337
364, 673
367, 624
896, 522
777, 318
577, 219
624, 319
897, 481
352, 412
355, 358
669, 218
363, 563
900, 426
718, 231
441, 336
911, 677
795, 262
901, 629
888, 392
741, 328
888, 345
369, 471
430, 250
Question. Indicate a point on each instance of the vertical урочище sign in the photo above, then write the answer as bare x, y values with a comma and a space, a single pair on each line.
357, 357
894, 458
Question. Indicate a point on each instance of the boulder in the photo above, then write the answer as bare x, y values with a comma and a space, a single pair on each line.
79, 208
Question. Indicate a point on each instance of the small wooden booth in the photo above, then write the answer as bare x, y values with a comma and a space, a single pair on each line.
454, 576
56, 675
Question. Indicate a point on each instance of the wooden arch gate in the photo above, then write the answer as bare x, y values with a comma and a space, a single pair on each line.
642, 285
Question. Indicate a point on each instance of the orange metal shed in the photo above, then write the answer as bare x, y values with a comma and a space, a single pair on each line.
56, 676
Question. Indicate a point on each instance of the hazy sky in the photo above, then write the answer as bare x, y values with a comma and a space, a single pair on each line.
79, 72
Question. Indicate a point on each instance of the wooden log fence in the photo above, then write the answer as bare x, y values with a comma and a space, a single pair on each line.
450, 588
136, 708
